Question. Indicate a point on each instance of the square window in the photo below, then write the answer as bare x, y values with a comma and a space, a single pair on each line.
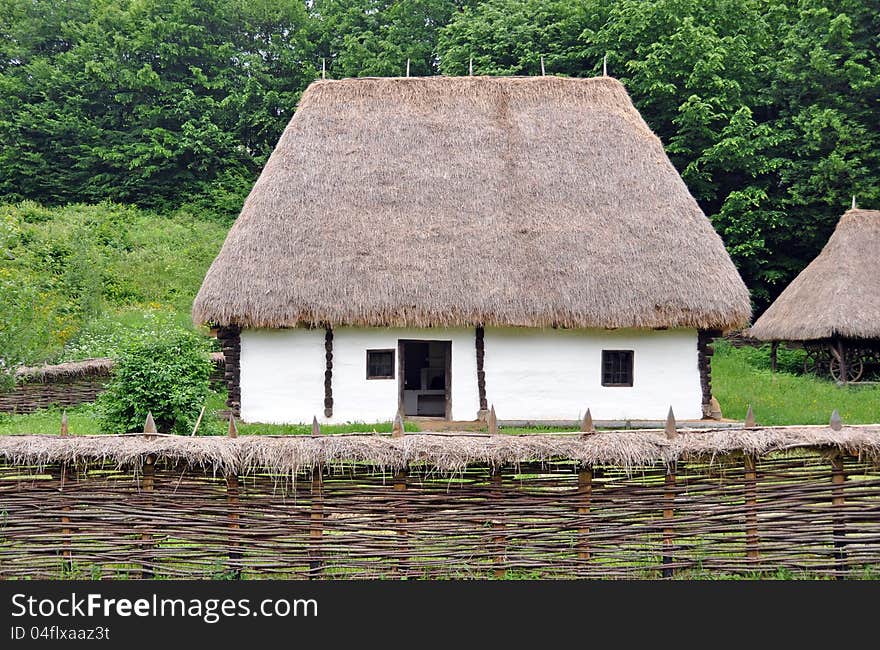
380, 364
617, 367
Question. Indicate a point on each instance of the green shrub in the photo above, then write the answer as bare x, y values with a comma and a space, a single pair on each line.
167, 376
787, 360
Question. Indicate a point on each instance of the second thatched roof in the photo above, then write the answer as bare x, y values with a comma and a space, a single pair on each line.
446, 201
838, 294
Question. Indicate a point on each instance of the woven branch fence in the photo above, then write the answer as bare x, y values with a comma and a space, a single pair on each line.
607, 505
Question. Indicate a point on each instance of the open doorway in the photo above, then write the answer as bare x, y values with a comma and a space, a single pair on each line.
425, 378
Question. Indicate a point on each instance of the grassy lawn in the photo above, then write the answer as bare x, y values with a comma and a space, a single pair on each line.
739, 378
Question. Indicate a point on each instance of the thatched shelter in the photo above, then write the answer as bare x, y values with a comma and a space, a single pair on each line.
469, 240
837, 294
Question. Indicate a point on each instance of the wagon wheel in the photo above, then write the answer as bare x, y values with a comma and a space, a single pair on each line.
854, 367
815, 363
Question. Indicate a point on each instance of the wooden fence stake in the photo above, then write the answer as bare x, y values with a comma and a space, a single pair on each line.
838, 480
587, 423
499, 540
401, 520
316, 529
751, 506
147, 569
397, 430
670, 425
492, 422
232, 494
64, 478
749, 422
668, 517
585, 493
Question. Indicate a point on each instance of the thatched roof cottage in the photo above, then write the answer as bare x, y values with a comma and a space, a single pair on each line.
837, 296
437, 245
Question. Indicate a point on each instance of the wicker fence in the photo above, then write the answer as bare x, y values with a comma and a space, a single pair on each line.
616, 504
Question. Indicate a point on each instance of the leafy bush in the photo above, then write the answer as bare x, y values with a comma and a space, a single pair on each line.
167, 376
787, 360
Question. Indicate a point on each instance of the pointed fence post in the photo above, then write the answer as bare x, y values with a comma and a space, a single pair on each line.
670, 430
316, 525
587, 427
669, 503
499, 540
232, 501
749, 422
585, 494
147, 486
400, 519
751, 506
492, 422
838, 516
66, 477
836, 423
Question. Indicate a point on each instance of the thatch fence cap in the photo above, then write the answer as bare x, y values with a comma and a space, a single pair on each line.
455, 201
446, 454
837, 294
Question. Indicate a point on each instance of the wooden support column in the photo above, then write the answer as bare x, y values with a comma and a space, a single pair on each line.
704, 363
328, 372
774, 348
751, 506
499, 540
838, 481
841, 351
230, 343
585, 494
481, 374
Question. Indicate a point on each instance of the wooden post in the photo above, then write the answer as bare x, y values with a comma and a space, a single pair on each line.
587, 427
316, 529
64, 478
397, 428
751, 499
401, 520
749, 422
668, 527
232, 495
841, 351
499, 540
492, 422
774, 347
585, 493
147, 483
316, 526
670, 428
838, 481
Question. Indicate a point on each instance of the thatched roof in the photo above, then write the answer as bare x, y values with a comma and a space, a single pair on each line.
445, 201
446, 454
838, 294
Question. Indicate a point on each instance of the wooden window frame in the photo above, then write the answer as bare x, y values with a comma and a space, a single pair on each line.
390, 351
631, 373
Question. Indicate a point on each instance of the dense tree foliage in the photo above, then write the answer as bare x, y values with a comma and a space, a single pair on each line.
768, 108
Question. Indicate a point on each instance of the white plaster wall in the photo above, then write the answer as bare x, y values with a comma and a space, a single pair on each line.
282, 374
556, 374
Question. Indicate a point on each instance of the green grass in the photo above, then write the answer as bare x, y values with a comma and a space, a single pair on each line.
782, 398
83, 420
80, 420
